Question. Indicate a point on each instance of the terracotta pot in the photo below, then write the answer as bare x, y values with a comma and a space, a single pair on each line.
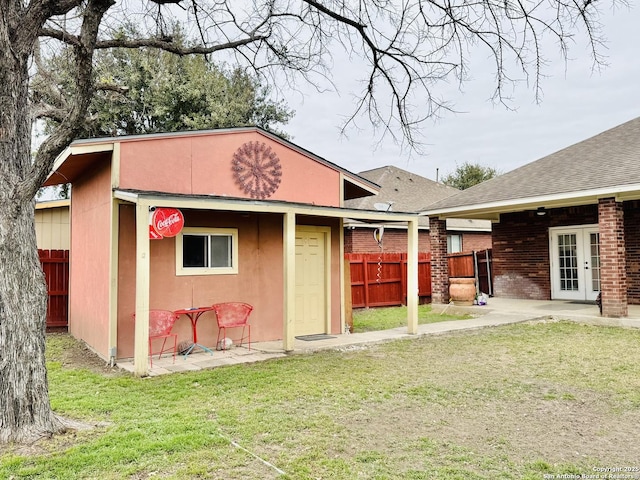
462, 291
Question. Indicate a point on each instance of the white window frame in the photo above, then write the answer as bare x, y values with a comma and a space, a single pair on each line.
450, 242
232, 270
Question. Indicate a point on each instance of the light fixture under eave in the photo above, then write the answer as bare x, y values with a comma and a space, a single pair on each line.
541, 211
383, 206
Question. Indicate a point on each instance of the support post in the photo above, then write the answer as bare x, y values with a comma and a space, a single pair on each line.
439, 265
412, 277
113, 280
289, 259
613, 271
143, 264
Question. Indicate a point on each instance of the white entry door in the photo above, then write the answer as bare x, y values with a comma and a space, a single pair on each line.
311, 280
575, 263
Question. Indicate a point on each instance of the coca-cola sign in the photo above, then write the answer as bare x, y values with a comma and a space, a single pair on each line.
168, 222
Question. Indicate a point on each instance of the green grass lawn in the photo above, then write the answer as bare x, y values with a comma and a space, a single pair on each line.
370, 319
515, 402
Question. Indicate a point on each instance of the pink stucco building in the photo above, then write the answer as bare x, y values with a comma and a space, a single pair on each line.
267, 214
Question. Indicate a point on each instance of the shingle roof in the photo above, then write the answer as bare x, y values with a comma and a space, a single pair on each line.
408, 192
607, 160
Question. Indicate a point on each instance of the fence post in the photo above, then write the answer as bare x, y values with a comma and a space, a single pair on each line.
365, 266
486, 253
403, 277
476, 273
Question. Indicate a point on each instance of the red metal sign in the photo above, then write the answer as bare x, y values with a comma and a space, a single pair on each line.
153, 235
168, 222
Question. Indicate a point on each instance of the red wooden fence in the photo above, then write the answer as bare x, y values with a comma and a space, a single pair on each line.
55, 264
380, 279
461, 265
473, 265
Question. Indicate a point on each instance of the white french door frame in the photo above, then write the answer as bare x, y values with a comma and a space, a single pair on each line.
574, 262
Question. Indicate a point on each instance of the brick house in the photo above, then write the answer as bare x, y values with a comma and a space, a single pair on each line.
403, 191
566, 226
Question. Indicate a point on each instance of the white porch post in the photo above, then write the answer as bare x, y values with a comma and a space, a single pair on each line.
141, 345
289, 258
113, 281
114, 252
412, 276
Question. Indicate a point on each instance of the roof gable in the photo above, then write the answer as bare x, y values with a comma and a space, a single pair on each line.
405, 191
205, 162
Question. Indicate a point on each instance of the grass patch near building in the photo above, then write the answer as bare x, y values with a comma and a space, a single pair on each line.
385, 318
513, 402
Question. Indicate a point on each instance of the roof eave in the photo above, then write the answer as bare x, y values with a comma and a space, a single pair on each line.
492, 210
47, 204
56, 176
259, 206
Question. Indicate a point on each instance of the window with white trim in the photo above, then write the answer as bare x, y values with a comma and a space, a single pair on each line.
454, 243
207, 251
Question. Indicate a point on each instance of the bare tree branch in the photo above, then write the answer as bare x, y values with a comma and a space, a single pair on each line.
173, 48
71, 124
410, 45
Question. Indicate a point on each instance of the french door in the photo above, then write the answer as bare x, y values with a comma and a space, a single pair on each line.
575, 263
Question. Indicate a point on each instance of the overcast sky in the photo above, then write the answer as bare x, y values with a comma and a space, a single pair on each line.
577, 104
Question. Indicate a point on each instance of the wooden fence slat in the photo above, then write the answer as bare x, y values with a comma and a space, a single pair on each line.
365, 269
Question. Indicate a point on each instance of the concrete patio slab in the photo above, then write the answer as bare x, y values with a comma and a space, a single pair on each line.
498, 311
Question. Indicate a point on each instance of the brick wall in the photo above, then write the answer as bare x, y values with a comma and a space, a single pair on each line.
360, 240
475, 241
521, 256
521, 263
632, 239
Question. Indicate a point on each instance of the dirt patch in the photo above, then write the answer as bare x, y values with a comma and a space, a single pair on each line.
559, 431
74, 354
505, 400
529, 429
65, 439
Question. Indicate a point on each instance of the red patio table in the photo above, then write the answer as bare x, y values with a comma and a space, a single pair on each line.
194, 314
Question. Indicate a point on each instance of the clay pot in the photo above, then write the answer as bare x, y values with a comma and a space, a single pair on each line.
462, 291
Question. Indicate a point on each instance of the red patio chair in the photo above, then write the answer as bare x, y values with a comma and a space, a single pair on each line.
233, 315
160, 324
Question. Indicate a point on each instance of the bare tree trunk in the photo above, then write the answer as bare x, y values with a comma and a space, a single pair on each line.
25, 412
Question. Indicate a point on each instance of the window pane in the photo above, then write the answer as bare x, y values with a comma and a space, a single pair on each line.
594, 240
568, 262
221, 251
454, 243
194, 251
